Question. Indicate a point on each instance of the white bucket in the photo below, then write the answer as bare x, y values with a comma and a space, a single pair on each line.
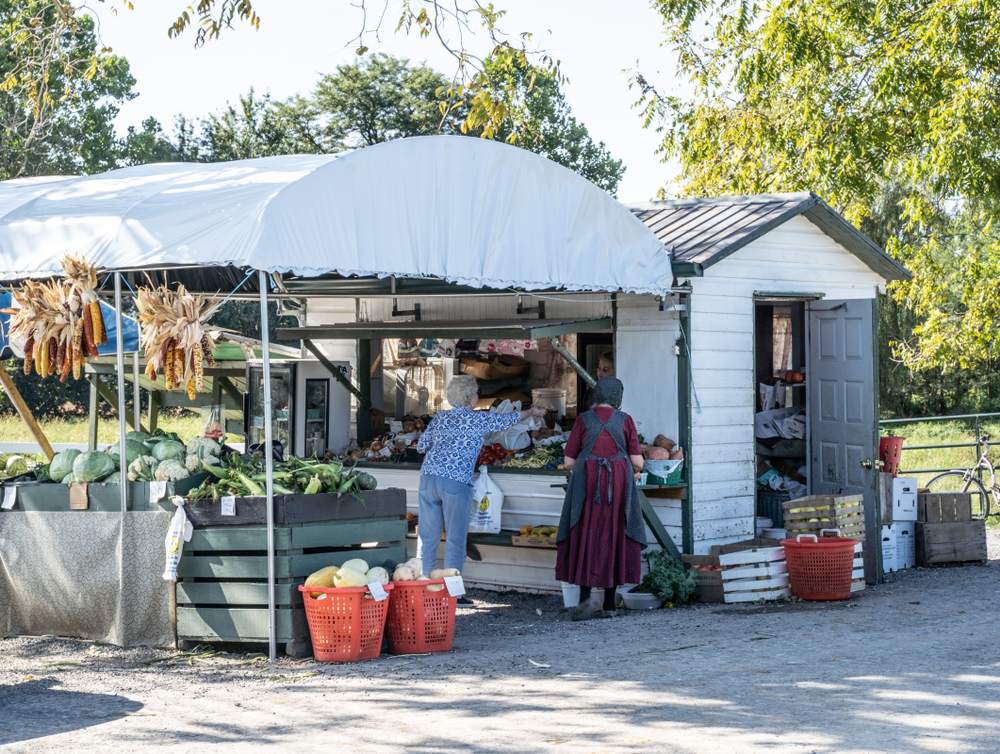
551, 398
571, 594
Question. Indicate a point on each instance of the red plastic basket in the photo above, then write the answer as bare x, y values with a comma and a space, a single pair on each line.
420, 620
889, 451
820, 569
346, 624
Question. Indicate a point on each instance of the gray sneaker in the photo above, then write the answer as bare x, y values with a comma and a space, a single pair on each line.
587, 609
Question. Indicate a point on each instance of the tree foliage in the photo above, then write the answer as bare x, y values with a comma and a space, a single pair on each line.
846, 99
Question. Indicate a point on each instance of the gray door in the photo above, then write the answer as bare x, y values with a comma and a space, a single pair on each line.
843, 409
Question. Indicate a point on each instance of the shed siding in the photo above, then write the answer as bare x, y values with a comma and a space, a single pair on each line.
797, 257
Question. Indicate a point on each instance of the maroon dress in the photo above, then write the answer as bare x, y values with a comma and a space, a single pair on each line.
597, 552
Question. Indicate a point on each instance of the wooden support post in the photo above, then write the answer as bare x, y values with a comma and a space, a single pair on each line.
154, 409
93, 417
24, 411
365, 387
106, 393
656, 526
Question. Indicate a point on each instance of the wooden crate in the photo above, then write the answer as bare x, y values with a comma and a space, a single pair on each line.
222, 576
755, 574
844, 512
951, 542
944, 507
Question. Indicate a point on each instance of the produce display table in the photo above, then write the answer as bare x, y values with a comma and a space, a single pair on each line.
222, 575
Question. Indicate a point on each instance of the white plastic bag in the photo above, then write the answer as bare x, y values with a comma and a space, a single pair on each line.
487, 503
516, 437
180, 531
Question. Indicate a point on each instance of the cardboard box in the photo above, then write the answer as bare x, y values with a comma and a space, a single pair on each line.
709, 582
489, 401
497, 367
904, 499
905, 536
888, 550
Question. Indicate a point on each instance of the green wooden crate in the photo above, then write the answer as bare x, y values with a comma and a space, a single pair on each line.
222, 587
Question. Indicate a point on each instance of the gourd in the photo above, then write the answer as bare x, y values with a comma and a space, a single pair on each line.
440, 573
357, 564
348, 577
377, 574
366, 481
404, 573
322, 578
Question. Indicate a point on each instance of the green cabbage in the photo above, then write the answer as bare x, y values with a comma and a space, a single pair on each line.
62, 464
133, 449
169, 449
115, 478
92, 466
137, 436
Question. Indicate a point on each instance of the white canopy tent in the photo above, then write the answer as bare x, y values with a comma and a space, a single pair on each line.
468, 211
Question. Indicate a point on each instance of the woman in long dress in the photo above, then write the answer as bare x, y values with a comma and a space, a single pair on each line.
601, 532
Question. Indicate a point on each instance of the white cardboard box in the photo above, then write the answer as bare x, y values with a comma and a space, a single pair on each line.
888, 550
904, 499
906, 544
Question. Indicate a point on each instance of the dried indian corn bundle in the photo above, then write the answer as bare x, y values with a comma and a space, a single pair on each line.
174, 337
52, 319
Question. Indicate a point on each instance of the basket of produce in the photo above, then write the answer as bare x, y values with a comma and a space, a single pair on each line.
346, 622
421, 611
811, 514
820, 568
663, 472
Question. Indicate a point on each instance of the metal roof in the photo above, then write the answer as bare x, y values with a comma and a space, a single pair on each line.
531, 329
702, 232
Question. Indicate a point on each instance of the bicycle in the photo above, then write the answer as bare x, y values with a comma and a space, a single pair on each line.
958, 480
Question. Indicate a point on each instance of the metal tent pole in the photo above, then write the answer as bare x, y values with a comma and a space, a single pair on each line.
122, 426
269, 466
136, 397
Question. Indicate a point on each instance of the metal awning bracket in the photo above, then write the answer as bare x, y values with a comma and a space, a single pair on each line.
522, 309
397, 312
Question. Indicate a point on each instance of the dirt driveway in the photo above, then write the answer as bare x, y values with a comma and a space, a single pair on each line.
905, 667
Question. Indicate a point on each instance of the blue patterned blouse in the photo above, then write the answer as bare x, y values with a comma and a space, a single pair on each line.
454, 438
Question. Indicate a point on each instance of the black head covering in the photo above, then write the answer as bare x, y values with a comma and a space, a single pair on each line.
609, 390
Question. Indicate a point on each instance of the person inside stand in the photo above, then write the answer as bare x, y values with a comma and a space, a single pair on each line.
605, 368
451, 444
601, 531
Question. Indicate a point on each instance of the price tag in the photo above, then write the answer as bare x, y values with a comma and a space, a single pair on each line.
385, 452
157, 491
9, 498
378, 591
228, 505
454, 585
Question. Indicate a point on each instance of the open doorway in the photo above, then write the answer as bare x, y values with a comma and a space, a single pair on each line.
782, 417
591, 349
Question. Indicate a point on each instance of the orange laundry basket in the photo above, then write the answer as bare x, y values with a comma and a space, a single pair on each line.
820, 569
346, 624
420, 620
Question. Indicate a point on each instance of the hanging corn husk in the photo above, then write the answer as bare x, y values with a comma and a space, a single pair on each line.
174, 337
51, 321
82, 278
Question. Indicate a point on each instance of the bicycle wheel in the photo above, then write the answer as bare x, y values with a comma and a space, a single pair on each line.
954, 481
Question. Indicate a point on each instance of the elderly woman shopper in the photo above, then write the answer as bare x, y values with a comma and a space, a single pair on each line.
601, 532
451, 444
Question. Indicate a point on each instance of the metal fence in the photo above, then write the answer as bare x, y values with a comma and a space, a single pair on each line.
961, 417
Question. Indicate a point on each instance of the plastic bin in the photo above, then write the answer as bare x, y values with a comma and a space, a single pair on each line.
420, 620
769, 506
663, 472
345, 624
819, 568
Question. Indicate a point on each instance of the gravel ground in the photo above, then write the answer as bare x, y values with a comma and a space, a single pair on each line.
903, 667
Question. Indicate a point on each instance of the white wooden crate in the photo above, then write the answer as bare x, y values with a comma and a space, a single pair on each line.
752, 575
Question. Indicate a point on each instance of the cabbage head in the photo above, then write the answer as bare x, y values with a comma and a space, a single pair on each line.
133, 449
169, 449
137, 436
92, 466
62, 464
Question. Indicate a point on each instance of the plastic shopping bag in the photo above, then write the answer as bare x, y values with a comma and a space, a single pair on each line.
487, 502
516, 437
178, 533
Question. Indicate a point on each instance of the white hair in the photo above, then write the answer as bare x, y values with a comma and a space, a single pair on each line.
461, 390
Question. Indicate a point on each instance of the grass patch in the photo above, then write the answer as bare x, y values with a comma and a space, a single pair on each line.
74, 429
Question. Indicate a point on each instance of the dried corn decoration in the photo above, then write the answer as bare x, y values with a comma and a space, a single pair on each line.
174, 338
46, 323
82, 278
